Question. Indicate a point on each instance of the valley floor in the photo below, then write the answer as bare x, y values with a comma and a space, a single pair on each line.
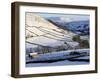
59, 59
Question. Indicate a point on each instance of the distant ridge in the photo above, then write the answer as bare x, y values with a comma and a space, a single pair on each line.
78, 27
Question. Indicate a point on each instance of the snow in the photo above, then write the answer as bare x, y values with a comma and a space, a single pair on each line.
60, 63
44, 32
57, 55
41, 32
73, 44
44, 41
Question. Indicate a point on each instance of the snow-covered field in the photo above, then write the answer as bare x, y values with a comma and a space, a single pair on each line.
60, 63
42, 34
60, 56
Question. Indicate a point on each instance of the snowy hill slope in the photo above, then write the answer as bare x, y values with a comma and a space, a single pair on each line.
40, 31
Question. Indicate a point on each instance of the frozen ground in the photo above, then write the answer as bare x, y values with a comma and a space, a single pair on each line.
42, 33
60, 63
55, 56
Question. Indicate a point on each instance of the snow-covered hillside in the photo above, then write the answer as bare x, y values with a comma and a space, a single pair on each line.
48, 42
41, 32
